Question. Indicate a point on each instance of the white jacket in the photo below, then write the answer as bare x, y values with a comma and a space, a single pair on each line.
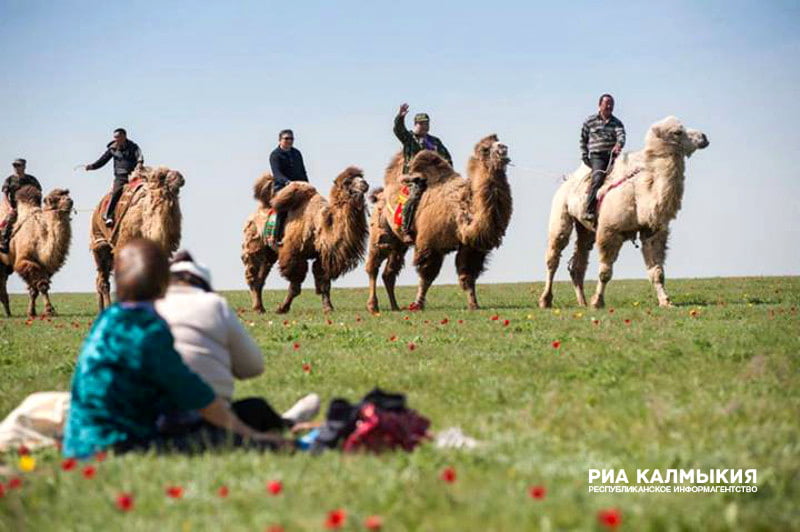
210, 338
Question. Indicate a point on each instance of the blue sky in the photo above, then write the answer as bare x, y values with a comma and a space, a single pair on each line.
204, 88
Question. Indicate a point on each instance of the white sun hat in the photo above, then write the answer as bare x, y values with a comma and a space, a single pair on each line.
196, 269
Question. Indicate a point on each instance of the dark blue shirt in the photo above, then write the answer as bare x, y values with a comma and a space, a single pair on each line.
287, 165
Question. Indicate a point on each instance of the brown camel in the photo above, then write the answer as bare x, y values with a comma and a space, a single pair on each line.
151, 210
642, 195
39, 245
330, 232
469, 216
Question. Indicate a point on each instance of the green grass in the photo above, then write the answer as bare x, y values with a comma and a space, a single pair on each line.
668, 390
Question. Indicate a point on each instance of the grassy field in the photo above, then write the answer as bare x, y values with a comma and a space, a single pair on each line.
713, 383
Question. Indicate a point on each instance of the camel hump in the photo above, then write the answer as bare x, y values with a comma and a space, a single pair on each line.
293, 196
29, 195
427, 160
262, 189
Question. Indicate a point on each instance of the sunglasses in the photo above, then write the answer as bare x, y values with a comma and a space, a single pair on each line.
17, 165
287, 138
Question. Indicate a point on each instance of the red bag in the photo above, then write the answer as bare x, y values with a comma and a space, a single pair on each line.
380, 430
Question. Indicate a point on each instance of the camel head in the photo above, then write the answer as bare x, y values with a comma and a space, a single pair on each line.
58, 200
350, 184
669, 134
492, 153
262, 190
161, 181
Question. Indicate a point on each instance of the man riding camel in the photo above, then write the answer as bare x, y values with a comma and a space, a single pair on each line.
414, 142
127, 156
12, 184
286, 164
602, 139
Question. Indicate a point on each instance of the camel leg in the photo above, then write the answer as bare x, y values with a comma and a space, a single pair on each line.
390, 273
560, 231
103, 260
579, 261
296, 273
654, 251
34, 277
4, 290
44, 289
469, 265
256, 269
608, 245
375, 258
428, 264
322, 285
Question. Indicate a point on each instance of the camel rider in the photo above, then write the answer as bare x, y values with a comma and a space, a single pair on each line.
11, 185
602, 139
414, 142
286, 164
127, 156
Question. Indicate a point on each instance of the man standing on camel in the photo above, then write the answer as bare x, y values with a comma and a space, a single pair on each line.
12, 184
602, 139
286, 164
127, 156
414, 142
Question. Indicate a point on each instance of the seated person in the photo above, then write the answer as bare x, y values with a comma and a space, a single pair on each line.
212, 341
128, 372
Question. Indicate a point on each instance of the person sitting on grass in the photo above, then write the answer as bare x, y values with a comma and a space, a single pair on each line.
214, 344
128, 373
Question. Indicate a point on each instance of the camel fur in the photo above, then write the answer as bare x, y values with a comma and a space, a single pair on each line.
154, 212
469, 216
330, 232
39, 245
642, 195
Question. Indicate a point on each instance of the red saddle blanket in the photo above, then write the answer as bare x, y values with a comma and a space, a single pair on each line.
402, 198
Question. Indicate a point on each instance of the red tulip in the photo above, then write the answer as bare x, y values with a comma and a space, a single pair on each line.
223, 491
506, 323
556, 344
460, 322
610, 518
69, 464
296, 346
14, 483
448, 474
329, 322
307, 367
693, 313
285, 323
413, 307
595, 321
373, 522
393, 338
495, 317
125, 502
358, 319
336, 519
537, 492
175, 492
611, 311
627, 321
444, 321
22, 450
89, 472
275, 487
411, 346
405, 318
2, 491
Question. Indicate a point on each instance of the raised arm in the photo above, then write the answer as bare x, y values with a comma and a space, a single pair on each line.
400, 131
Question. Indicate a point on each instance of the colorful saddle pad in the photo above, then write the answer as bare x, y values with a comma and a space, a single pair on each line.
402, 198
268, 231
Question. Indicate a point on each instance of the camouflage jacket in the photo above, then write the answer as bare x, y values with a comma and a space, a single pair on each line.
412, 144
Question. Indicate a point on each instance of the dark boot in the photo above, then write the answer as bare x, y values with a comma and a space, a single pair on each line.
415, 190
280, 222
6, 231
599, 166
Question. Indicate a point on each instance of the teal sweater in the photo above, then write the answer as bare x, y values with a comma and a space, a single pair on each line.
128, 372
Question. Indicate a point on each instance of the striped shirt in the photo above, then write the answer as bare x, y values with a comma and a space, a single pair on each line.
598, 135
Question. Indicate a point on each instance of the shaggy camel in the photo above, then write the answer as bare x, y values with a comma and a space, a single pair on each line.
330, 232
469, 216
642, 195
151, 211
39, 245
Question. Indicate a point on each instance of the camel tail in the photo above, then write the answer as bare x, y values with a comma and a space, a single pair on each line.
293, 196
376, 194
